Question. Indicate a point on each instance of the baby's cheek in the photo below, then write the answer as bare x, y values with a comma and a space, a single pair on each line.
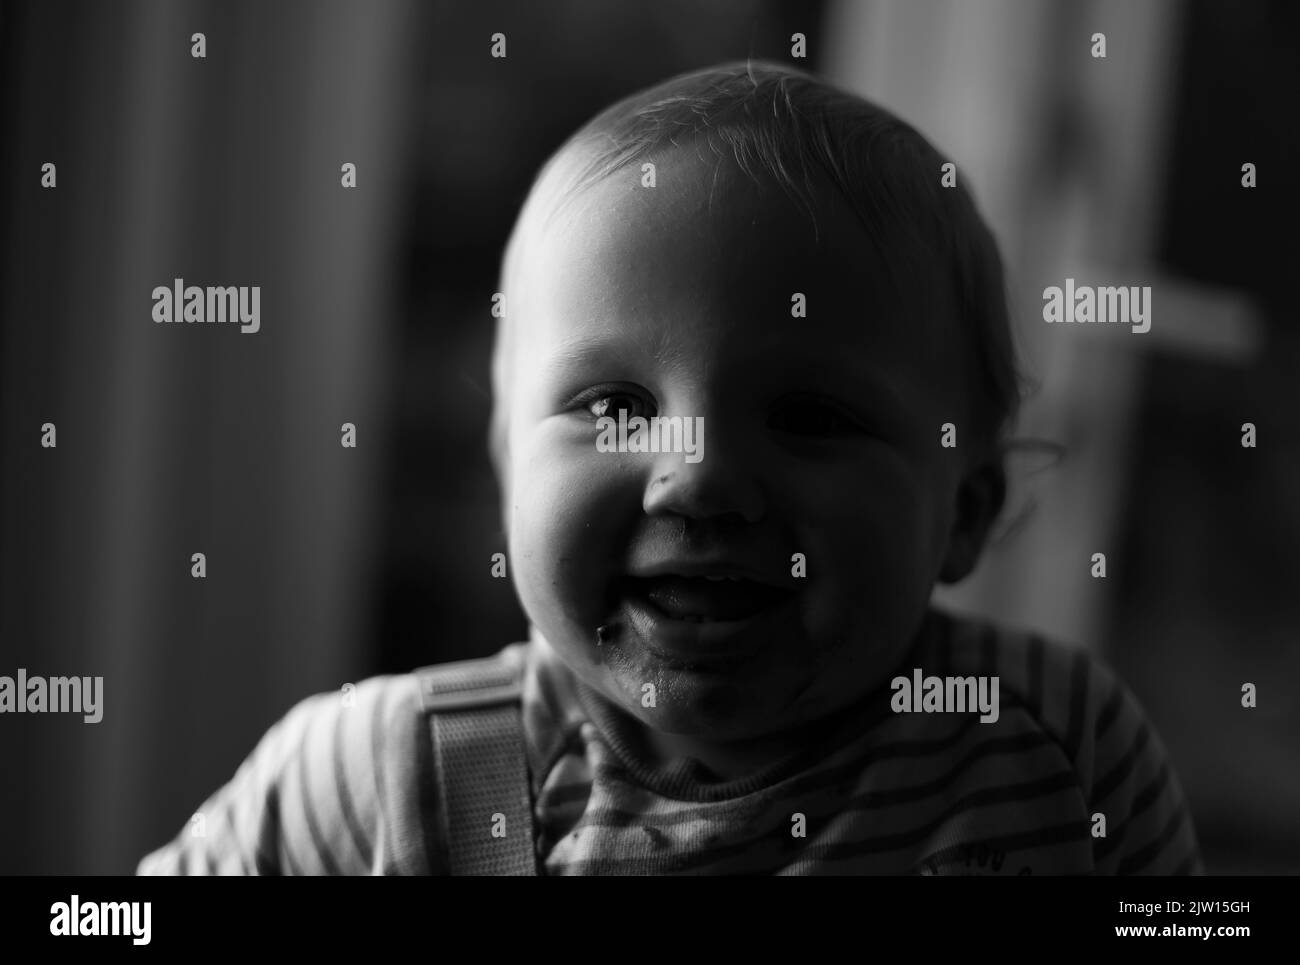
868, 565
565, 526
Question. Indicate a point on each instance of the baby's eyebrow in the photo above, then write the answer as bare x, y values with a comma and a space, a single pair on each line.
578, 347
580, 351
576, 354
877, 390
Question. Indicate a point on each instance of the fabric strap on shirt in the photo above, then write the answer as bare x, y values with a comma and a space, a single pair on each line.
476, 726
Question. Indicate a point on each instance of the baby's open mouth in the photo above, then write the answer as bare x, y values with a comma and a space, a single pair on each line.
702, 599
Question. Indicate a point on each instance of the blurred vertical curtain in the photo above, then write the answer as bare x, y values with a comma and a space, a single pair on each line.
177, 439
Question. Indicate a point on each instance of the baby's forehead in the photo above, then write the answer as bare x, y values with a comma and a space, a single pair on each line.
689, 193
698, 242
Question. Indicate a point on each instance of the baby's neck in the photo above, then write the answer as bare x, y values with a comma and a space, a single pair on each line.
729, 761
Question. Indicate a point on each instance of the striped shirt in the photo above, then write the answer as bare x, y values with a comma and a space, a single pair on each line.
1070, 779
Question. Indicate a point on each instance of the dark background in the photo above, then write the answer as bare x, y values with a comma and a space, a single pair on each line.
327, 565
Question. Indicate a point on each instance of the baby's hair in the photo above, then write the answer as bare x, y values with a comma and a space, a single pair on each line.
798, 129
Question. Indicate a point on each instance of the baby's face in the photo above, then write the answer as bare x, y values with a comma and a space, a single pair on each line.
823, 499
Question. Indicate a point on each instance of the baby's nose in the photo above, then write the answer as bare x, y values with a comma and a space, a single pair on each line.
721, 482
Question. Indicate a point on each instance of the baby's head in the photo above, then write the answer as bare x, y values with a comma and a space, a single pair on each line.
792, 274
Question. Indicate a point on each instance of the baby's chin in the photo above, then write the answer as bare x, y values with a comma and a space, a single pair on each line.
698, 706
720, 699
738, 680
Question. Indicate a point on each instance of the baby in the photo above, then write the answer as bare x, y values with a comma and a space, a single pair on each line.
734, 666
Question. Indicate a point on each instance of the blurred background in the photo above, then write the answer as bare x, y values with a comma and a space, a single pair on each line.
327, 564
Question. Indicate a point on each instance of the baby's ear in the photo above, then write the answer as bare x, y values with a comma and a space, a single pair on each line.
979, 498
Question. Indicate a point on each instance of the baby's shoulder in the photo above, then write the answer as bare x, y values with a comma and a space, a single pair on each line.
1043, 683
355, 780
379, 717
1138, 819
1060, 684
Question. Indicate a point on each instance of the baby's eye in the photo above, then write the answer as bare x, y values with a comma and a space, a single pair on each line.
606, 403
810, 417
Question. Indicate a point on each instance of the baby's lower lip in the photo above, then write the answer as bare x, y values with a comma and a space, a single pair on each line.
695, 631
696, 599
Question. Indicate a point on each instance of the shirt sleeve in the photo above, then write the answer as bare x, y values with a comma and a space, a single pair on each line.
329, 789
1132, 785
